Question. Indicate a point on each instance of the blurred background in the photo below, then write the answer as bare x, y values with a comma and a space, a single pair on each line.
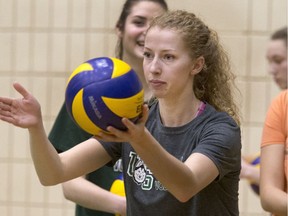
42, 41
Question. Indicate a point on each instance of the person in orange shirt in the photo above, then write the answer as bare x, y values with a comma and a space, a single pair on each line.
274, 157
276, 55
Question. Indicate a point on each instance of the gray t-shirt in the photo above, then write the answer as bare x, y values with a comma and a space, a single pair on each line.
214, 134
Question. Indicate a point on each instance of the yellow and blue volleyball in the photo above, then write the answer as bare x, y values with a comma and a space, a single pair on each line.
101, 91
117, 186
255, 162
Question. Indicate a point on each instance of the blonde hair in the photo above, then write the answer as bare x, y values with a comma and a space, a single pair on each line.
214, 84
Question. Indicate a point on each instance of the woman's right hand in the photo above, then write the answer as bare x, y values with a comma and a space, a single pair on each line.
22, 112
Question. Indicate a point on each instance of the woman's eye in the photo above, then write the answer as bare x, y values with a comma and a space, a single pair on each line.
139, 22
275, 61
168, 57
278, 61
147, 54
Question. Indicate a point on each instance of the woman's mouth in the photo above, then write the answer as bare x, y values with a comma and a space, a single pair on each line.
156, 83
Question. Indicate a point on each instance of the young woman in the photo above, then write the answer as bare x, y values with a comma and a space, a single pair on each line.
183, 157
274, 157
91, 193
276, 55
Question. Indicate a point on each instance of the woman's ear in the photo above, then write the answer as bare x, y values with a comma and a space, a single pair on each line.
119, 33
198, 65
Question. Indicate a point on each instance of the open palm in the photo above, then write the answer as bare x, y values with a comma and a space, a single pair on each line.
22, 112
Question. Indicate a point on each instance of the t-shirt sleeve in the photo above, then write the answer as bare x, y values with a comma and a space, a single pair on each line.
275, 126
221, 142
65, 134
114, 150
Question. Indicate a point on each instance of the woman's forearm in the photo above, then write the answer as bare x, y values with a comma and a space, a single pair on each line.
46, 159
275, 202
89, 195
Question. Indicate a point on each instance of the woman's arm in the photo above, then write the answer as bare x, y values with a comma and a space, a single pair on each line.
272, 180
91, 196
51, 168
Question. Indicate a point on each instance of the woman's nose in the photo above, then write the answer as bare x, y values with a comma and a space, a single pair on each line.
155, 66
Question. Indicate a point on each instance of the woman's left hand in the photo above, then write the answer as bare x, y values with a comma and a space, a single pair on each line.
24, 112
134, 131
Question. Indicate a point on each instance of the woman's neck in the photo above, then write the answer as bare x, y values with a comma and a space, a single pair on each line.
179, 111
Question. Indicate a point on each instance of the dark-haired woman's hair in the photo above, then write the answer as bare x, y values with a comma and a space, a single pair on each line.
280, 34
126, 10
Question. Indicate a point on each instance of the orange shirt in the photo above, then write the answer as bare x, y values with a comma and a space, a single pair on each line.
275, 127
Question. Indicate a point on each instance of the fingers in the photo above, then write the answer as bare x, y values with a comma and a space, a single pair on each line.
5, 101
5, 111
19, 88
133, 129
5, 104
114, 132
9, 105
7, 119
145, 113
144, 116
131, 125
108, 137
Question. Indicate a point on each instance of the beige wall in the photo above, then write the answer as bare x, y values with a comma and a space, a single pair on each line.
42, 41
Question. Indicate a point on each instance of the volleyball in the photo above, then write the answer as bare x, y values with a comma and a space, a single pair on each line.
101, 91
117, 186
